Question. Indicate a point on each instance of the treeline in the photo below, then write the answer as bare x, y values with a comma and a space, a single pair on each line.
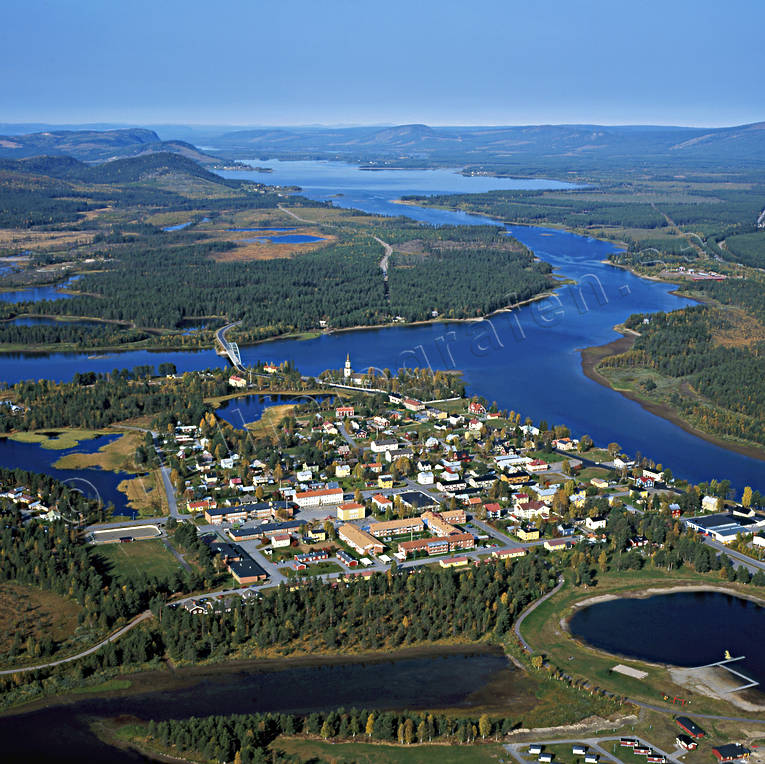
92, 401
63, 332
747, 248
383, 611
466, 281
678, 548
246, 738
586, 207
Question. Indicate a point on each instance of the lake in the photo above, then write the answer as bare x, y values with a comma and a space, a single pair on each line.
446, 681
682, 629
527, 360
93, 482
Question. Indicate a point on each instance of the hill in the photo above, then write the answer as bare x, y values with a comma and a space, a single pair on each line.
96, 145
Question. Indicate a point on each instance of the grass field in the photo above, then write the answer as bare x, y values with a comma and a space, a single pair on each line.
26, 611
125, 561
371, 753
62, 439
114, 456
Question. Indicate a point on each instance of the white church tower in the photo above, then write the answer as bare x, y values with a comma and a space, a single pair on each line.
347, 369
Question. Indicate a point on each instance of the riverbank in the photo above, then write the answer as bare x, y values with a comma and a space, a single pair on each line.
592, 356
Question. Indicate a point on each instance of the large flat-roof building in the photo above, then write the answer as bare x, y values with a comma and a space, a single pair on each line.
361, 541
397, 527
724, 527
438, 545
319, 498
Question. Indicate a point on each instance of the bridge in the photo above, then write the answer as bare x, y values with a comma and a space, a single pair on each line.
230, 349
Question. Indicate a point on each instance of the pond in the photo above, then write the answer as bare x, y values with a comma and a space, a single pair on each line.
683, 629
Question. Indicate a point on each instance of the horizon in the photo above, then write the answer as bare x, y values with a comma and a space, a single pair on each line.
40, 125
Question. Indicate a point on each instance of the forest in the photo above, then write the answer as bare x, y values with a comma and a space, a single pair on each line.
384, 611
683, 345
92, 401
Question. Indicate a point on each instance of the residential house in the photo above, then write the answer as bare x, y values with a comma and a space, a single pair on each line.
383, 444
527, 533
509, 554
596, 523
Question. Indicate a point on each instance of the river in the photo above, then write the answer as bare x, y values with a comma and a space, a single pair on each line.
449, 681
527, 360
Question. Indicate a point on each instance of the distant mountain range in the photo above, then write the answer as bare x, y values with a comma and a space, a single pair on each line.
561, 146
498, 143
97, 145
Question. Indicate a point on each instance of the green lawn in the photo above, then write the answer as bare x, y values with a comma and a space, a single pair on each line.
125, 561
315, 569
371, 753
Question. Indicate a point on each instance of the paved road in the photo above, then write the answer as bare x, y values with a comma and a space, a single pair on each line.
111, 638
736, 558
530, 609
346, 435
170, 491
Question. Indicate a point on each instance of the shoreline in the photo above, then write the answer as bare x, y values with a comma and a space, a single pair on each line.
591, 357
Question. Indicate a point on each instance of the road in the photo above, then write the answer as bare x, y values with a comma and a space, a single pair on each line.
533, 606
172, 503
111, 638
386, 257
295, 216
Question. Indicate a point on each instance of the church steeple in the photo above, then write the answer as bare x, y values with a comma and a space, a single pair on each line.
347, 369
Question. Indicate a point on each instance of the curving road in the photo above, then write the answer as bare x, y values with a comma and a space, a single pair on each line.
111, 638
530, 609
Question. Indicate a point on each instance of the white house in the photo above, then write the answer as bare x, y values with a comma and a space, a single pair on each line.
425, 478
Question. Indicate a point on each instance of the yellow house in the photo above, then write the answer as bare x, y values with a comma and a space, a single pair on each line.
578, 499
318, 534
342, 470
351, 510
385, 481
599, 482
454, 562
528, 533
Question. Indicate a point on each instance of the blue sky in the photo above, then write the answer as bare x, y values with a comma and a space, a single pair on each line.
289, 62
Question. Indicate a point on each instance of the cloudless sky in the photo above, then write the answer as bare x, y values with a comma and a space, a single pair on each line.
290, 62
